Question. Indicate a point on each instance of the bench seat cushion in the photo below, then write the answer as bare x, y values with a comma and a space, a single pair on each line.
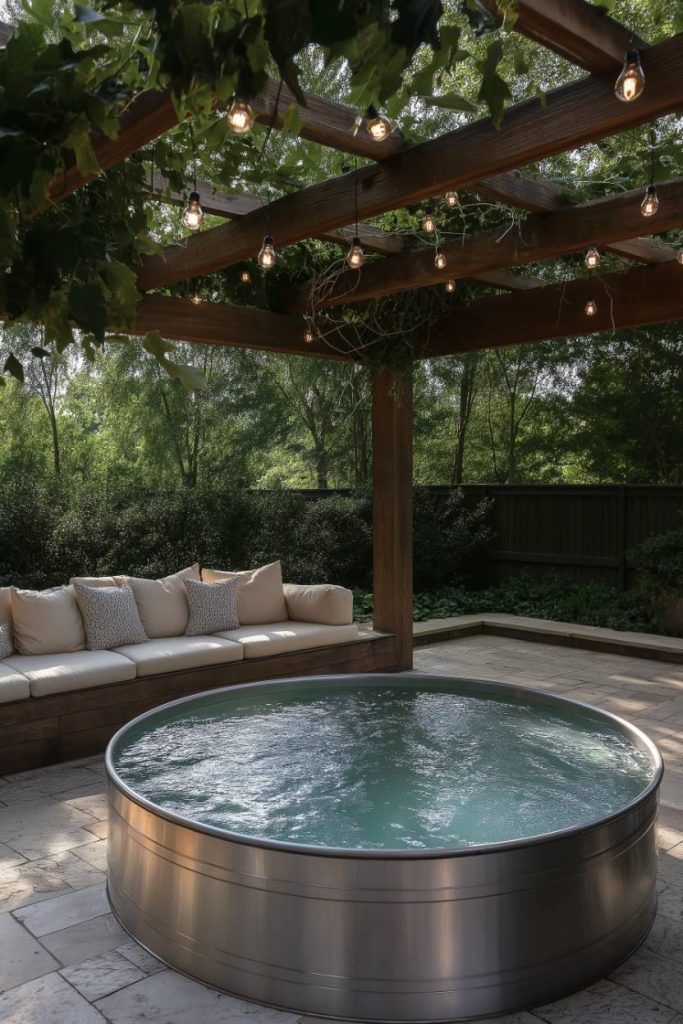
13, 686
59, 673
281, 637
176, 653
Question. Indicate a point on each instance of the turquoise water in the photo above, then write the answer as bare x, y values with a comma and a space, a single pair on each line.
383, 767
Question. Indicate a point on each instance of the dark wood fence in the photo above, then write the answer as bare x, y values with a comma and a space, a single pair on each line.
583, 531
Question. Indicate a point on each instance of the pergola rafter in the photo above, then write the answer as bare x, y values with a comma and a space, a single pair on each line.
537, 238
571, 116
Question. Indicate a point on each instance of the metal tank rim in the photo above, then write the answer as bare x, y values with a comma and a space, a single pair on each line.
412, 679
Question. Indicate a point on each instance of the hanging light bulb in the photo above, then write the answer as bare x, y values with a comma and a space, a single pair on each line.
631, 81
592, 259
428, 222
267, 257
650, 203
355, 258
450, 285
679, 256
591, 307
377, 126
451, 199
240, 117
196, 299
245, 277
193, 215
309, 334
440, 259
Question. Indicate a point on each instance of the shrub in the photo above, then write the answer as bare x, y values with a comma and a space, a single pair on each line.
659, 562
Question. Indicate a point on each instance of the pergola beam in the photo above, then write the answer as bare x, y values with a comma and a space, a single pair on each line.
213, 323
570, 117
538, 238
630, 298
577, 31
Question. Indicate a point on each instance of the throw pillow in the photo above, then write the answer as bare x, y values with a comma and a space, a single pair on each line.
163, 603
110, 616
6, 645
47, 621
260, 597
213, 607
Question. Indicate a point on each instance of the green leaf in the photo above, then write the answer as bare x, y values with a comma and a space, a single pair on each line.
14, 367
450, 101
86, 160
39, 352
494, 90
287, 30
417, 23
191, 378
291, 121
87, 308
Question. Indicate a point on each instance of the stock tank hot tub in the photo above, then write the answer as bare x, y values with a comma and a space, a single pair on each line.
390, 848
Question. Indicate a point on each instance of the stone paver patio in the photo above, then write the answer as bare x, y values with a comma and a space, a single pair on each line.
65, 960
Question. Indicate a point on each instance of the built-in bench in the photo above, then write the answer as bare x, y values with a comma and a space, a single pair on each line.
64, 704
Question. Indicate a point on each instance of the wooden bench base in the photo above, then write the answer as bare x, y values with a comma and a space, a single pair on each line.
47, 730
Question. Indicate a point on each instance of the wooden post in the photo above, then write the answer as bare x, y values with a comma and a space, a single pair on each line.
392, 439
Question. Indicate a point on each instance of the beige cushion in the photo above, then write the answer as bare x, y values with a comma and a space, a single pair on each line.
176, 653
319, 602
259, 593
163, 603
47, 621
281, 637
98, 581
59, 673
13, 686
5, 604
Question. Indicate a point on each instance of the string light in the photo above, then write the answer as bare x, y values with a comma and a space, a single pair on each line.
245, 277
193, 215
309, 334
428, 222
592, 259
679, 256
631, 82
440, 259
267, 256
450, 285
451, 199
355, 258
241, 117
591, 307
196, 299
650, 203
378, 126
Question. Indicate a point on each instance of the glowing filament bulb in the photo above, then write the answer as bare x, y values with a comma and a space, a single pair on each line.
592, 259
266, 256
450, 285
591, 307
193, 215
631, 81
650, 203
679, 257
355, 258
440, 260
241, 117
245, 277
377, 126
196, 299
428, 222
309, 335
451, 199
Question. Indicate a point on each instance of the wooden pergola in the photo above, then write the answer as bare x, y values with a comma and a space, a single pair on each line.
480, 158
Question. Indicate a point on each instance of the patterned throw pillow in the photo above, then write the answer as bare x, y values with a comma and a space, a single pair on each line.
110, 616
6, 645
213, 607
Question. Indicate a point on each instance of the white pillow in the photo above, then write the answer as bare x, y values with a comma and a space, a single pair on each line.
98, 581
47, 621
319, 602
163, 603
260, 597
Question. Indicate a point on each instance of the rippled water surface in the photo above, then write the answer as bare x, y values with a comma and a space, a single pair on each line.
383, 767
